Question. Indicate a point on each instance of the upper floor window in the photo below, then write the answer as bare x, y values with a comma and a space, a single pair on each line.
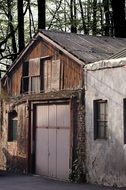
32, 76
40, 75
100, 119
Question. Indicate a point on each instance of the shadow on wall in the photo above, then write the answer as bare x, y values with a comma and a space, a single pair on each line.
14, 164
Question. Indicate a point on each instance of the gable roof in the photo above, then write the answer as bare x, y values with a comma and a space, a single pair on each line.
87, 48
82, 48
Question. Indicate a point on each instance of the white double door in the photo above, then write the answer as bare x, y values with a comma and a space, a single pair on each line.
53, 140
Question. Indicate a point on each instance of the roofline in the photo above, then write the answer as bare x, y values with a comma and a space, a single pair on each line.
119, 54
55, 44
45, 37
22, 53
106, 64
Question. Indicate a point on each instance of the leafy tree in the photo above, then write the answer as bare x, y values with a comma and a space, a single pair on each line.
21, 19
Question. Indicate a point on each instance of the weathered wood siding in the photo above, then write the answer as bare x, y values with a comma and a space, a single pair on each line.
16, 81
70, 73
34, 67
60, 72
40, 50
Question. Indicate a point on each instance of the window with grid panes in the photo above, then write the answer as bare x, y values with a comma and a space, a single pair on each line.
124, 119
100, 119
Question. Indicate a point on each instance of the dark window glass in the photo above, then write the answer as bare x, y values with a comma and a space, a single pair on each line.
25, 84
25, 78
100, 119
12, 126
25, 69
124, 115
32, 80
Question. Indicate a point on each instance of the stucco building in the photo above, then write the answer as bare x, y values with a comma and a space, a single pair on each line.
105, 104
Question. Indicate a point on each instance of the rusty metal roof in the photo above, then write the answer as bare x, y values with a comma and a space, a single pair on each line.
87, 48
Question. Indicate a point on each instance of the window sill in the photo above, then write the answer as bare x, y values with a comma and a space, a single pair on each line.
101, 140
14, 141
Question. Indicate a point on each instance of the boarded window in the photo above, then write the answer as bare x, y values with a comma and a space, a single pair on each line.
124, 116
12, 126
47, 74
51, 75
41, 74
35, 84
100, 119
55, 74
34, 67
31, 76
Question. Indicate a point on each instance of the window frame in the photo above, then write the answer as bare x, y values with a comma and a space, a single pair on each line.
12, 130
124, 119
25, 75
100, 119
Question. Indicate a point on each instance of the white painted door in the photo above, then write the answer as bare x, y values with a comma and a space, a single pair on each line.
53, 140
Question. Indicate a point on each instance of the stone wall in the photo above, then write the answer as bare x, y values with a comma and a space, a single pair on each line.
79, 167
14, 154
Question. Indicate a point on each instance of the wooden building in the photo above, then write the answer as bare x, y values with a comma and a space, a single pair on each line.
42, 119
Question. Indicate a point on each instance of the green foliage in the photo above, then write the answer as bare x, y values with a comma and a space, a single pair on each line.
77, 173
89, 17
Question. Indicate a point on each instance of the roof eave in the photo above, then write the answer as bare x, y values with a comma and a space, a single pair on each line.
46, 38
55, 44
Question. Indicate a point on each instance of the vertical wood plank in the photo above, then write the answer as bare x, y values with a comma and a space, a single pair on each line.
63, 116
42, 116
63, 154
55, 82
52, 153
34, 67
42, 151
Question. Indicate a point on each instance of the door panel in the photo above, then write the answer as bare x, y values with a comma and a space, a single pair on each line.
63, 115
42, 116
52, 115
52, 140
63, 153
42, 151
52, 153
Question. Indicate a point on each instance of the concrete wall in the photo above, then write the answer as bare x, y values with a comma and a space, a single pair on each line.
106, 159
